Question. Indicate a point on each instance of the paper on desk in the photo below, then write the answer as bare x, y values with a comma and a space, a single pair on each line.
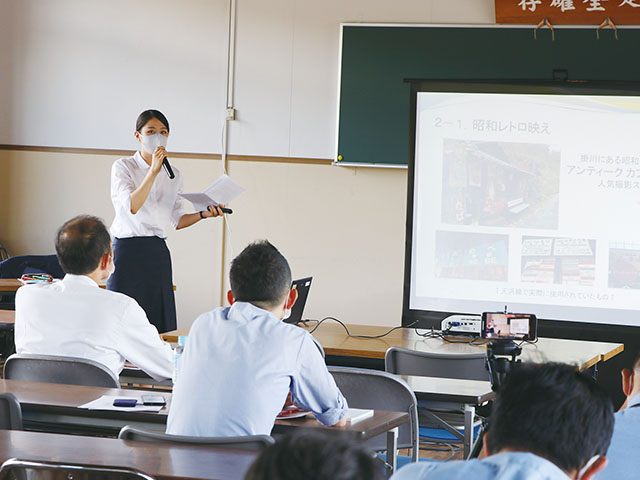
105, 402
223, 190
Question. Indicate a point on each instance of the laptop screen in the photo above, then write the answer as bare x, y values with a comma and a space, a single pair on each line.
302, 286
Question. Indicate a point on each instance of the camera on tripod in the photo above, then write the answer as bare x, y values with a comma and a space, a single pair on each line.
502, 329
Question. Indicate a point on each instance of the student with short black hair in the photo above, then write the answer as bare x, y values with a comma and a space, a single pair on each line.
316, 455
549, 421
626, 431
145, 200
76, 318
240, 362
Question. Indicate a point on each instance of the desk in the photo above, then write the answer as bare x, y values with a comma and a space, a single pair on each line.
335, 341
52, 407
469, 393
7, 317
162, 461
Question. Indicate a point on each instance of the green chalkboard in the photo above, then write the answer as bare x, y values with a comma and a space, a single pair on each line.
374, 124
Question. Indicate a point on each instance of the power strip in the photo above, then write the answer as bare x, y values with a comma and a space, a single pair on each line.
470, 325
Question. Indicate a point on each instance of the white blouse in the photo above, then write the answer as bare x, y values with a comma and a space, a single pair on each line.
162, 205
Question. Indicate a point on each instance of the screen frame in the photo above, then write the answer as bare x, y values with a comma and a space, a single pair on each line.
550, 327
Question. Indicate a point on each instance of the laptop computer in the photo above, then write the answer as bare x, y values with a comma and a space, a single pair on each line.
302, 286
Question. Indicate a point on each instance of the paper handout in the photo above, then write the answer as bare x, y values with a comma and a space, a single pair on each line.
223, 190
105, 402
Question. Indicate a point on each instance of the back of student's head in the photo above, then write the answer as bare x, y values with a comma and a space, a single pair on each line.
80, 244
315, 455
554, 411
260, 275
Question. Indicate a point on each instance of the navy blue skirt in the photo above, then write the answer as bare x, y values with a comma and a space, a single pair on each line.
143, 272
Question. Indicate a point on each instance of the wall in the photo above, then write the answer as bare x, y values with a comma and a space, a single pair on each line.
343, 226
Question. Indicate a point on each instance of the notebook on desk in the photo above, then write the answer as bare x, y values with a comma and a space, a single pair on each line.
303, 286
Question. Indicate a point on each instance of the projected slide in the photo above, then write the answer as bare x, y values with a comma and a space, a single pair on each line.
529, 201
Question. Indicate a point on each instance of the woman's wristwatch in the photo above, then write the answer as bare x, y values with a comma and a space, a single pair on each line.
201, 215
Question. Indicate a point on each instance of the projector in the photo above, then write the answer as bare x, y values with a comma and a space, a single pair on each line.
468, 325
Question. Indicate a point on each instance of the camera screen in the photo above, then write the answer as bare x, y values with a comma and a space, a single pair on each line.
507, 325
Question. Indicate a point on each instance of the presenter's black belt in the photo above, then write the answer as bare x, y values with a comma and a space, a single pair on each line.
143, 272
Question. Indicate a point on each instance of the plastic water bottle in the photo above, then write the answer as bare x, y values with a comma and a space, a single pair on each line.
177, 353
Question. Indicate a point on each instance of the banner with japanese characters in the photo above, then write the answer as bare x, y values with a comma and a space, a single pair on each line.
574, 12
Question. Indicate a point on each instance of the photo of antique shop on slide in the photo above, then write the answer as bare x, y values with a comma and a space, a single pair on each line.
624, 265
562, 261
500, 184
472, 256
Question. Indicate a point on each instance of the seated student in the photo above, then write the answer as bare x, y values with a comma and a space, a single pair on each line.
76, 318
626, 431
240, 362
549, 422
315, 455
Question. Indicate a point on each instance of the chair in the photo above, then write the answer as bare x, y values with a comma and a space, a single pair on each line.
57, 369
14, 267
249, 442
46, 470
466, 366
373, 389
10, 412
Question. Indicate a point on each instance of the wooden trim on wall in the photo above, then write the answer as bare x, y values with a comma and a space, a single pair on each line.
197, 156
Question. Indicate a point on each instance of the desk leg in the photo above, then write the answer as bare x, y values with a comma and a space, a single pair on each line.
392, 448
469, 414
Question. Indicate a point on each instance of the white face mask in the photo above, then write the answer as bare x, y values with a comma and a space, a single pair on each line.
151, 142
111, 267
287, 313
583, 470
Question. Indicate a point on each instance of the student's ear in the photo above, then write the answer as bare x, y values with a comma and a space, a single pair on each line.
594, 468
485, 448
291, 299
104, 261
230, 298
627, 381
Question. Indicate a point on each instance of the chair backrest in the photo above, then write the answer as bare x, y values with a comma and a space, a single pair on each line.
14, 267
373, 389
249, 442
465, 366
46, 470
10, 412
57, 369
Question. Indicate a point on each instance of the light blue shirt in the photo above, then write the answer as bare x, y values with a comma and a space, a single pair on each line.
238, 365
501, 466
625, 444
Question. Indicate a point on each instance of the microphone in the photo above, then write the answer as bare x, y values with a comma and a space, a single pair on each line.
167, 168
223, 209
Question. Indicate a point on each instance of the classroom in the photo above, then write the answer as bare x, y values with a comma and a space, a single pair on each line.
252, 89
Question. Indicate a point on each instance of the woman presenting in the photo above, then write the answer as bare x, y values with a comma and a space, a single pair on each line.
145, 199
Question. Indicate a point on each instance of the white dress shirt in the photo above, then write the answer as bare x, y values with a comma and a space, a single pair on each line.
162, 205
76, 318
238, 365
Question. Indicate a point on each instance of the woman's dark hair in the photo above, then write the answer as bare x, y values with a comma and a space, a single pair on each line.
81, 243
147, 115
315, 455
554, 411
260, 274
